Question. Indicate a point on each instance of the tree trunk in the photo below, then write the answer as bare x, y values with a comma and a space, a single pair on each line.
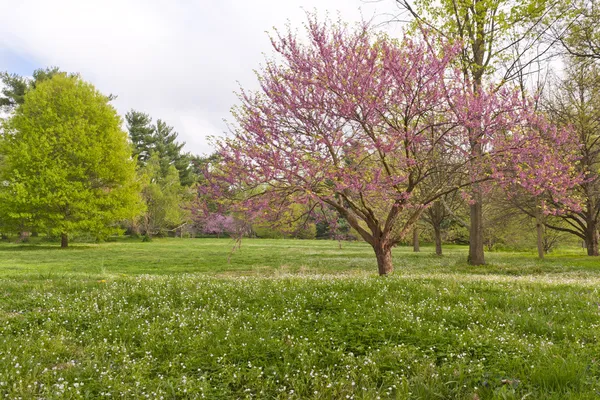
591, 239
64, 240
476, 256
437, 232
147, 226
384, 259
416, 248
539, 224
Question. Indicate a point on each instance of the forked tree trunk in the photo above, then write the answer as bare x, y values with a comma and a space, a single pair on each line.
384, 259
64, 240
416, 248
476, 256
539, 225
437, 233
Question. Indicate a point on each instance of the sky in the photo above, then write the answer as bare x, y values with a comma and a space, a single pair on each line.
177, 60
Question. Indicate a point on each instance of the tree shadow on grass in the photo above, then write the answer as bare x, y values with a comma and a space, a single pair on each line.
45, 247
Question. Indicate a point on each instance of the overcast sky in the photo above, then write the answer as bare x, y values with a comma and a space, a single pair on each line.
178, 60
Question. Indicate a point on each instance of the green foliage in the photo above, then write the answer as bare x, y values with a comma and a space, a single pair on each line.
266, 231
202, 163
170, 152
67, 166
77, 327
141, 132
301, 231
15, 86
164, 196
13, 92
43, 74
581, 35
488, 29
158, 139
291, 222
163, 168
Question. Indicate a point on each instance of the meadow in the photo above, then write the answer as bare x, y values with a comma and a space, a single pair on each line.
294, 319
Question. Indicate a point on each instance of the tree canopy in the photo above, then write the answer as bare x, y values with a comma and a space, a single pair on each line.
358, 122
67, 165
488, 32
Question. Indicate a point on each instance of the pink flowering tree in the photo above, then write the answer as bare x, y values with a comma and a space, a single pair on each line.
354, 121
212, 218
218, 224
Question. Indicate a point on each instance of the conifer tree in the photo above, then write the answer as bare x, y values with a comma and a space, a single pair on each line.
159, 138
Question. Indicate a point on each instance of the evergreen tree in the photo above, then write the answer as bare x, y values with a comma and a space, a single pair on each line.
159, 138
169, 151
16, 86
141, 133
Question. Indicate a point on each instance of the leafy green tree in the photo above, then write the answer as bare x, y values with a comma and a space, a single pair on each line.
67, 165
579, 32
575, 102
159, 138
164, 197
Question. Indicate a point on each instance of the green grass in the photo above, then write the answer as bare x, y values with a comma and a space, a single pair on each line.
294, 319
265, 257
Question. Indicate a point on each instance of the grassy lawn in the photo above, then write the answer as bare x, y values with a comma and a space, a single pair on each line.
294, 319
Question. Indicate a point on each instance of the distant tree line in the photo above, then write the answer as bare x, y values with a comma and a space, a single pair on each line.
68, 168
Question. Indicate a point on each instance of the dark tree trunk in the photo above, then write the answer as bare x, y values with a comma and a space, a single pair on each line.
384, 258
416, 248
539, 224
476, 256
591, 239
437, 232
64, 240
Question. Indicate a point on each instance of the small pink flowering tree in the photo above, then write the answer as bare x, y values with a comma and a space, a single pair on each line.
357, 122
218, 224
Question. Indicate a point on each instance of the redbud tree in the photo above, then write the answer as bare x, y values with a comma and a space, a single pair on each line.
354, 121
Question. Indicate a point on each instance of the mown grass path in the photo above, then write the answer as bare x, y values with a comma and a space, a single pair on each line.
294, 319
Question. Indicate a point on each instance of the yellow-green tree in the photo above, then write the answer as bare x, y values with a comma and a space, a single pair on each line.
164, 198
67, 164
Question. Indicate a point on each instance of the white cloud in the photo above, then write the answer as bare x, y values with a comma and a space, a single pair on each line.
177, 60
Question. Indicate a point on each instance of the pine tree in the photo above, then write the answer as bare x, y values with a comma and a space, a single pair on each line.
159, 139
141, 133
16, 86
